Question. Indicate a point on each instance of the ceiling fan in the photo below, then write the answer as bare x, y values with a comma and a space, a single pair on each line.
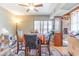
31, 6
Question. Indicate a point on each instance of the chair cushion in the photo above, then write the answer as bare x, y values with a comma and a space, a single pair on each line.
31, 41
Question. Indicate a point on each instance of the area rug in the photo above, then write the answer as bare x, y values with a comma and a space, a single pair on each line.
44, 52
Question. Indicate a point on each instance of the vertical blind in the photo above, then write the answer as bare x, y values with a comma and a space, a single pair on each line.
43, 26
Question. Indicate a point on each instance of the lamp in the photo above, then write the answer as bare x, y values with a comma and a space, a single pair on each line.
16, 21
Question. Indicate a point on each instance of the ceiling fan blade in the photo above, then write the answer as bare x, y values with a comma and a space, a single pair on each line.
27, 10
36, 10
38, 5
23, 5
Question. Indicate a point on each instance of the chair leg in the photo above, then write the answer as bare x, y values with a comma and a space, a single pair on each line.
26, 52
17, 47
39, 50
49, 50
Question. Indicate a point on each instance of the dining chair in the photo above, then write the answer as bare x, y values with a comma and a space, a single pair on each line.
47, 38
20, 45
32, 42
41, 38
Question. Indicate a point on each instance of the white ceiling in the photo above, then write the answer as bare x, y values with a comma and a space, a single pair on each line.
46, 9
21, 10
63, 8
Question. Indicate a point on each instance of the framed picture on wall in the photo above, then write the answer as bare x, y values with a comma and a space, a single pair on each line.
65, 30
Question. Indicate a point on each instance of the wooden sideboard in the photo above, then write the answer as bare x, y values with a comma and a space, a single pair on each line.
73, 46
58, 39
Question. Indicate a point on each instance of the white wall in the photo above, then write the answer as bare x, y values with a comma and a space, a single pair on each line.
5, 21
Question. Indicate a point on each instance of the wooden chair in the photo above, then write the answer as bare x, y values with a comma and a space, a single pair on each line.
31, 42
47, 42
20, 45
41, 39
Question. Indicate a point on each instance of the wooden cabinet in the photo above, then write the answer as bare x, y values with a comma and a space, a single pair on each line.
58, 39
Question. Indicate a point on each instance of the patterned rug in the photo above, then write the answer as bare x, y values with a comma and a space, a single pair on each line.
44, 52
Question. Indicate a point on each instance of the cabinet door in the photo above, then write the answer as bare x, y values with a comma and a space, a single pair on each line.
58, 39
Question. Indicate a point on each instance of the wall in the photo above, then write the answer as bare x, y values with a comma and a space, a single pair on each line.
5, 21
27, 22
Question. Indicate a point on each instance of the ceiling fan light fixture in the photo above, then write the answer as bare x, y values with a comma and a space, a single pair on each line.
31, 8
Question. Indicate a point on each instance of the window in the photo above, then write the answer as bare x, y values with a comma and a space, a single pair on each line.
49, 26
43, 26
57, 25
37, 25
75, 21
